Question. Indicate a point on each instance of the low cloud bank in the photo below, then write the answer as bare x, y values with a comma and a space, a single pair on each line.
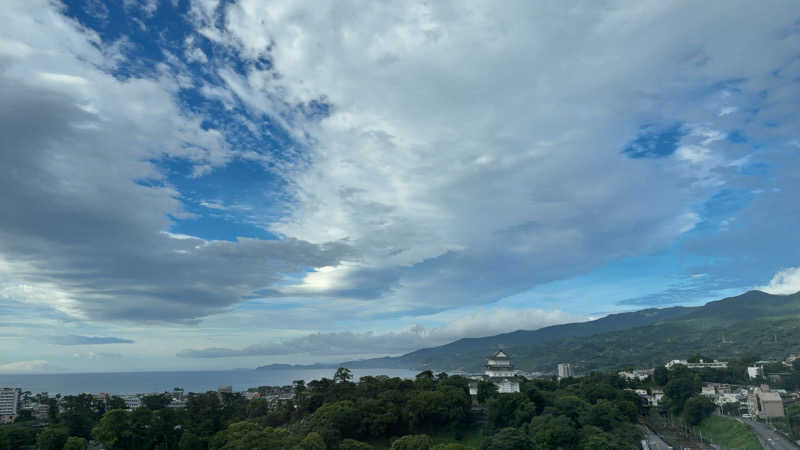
484, 322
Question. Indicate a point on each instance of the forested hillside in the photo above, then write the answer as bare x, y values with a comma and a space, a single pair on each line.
751, 323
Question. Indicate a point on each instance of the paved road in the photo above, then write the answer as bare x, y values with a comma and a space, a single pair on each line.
654, 441
770, 439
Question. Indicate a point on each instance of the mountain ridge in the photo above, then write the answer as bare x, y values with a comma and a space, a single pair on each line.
462, 354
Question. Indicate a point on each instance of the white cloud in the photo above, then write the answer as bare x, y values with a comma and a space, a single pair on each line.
31, 366
352, 344
470, 155
786, 281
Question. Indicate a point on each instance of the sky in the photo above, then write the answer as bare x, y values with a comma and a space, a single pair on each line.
216, 184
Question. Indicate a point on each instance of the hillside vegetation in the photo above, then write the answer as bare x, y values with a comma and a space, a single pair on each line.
751, 323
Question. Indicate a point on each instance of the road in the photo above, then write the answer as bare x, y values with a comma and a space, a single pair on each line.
655, 442
770, 439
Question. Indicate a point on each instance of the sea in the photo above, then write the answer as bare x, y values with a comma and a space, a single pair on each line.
190, 381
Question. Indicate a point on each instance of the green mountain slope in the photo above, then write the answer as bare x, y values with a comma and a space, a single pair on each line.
752, 323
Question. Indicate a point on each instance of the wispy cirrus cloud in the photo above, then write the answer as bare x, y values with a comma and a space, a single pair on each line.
73, 339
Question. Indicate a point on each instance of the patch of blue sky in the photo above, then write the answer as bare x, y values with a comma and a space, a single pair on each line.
146, 35
237, 200
656, 141
737, 137
242, 197
721, 207
600, 291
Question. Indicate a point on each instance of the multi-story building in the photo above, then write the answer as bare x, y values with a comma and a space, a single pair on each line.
9, 403
755, 372
500, 371
697, 365
768, 403
565, 371
132, 401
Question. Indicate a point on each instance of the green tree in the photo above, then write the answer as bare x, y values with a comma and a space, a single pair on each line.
165, 427
190, 441
257, 407
24, 415
113, 430
601, 441
247, 435
156, 401
334, 421
52, 438
696, 409
115, 402
76, 443
413, 442
660, 376
549, 431
508, 439
204, 414
312, 441
352, 444
486, 390
17, 436
342, 375
140, 422
451, 446
681, 386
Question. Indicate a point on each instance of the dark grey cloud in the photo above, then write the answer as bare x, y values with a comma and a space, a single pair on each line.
73, 339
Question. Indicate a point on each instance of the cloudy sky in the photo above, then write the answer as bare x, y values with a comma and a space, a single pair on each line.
210, 184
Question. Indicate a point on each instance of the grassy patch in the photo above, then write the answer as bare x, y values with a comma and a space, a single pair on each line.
728, 432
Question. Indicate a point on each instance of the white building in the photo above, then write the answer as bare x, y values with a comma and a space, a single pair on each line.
698, 365
132, 401
755, 372
9, 402
638, 374
499, 365
565, 371
499, 371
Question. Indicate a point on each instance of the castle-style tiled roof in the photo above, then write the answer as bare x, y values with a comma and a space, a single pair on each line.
500, 355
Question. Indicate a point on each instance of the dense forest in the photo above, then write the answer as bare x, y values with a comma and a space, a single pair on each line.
429, 412
432, 411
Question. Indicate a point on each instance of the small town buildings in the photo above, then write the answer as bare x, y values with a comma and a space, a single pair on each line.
131, 401
9, 404
564, 370
708, 391
652, 397
40, 411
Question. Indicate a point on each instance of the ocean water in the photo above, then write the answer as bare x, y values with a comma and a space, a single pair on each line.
190, 381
